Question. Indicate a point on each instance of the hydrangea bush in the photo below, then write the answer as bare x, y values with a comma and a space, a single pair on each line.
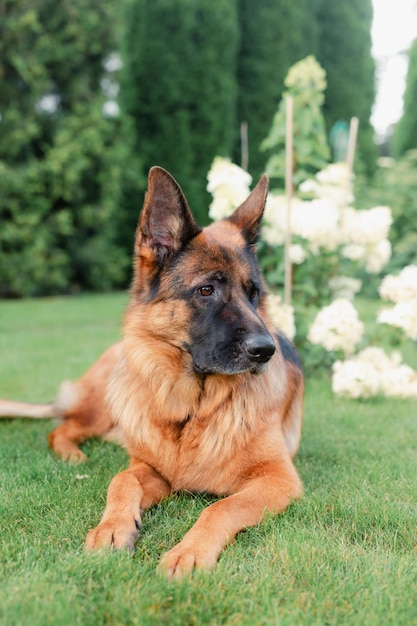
331, 242
337, 327
402, 290
372, 372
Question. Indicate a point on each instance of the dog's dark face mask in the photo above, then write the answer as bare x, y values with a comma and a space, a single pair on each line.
227, 335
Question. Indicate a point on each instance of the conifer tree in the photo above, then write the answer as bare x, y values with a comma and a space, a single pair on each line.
58, 165
273, 36
179, 87
344, 51
405, 135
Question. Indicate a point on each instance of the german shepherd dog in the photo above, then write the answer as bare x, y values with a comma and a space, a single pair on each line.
206, 394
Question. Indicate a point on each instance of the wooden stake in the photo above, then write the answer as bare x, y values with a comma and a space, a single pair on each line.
350, 155
353, 134
244, 146
289, 193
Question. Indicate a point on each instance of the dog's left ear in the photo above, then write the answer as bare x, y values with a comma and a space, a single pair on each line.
248, 215
166, 223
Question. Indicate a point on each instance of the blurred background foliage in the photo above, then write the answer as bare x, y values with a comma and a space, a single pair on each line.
395, 182
92, 94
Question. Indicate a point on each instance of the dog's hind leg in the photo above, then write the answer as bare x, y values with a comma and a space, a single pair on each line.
61, 440
64, 440
83, 408
80, 405
84, 415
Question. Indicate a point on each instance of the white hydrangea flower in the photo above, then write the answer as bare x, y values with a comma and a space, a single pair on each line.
373, 372
402, 290
353, 379
377, 256
317, 221
379, 359
400, 382
353, 251
332, 184
297, 254
222, 206
337, 327
364, 227
336, 174
229, 185
402, 287
282, 315
345, 287
403, 315
310, 186
373, 256
307, 76
275, 219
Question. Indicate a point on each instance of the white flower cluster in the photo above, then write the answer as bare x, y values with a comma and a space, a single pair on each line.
315, 221
307, 76
402, 290
229, 185
323, 223
297, 254
337, 327
402, 287
372, 372
326, 223
282, 315
274, 224
345, 287
364, 235
332, 184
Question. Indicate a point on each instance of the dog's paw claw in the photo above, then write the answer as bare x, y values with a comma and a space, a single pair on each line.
175, 566
181, 561
74, 457
113, 535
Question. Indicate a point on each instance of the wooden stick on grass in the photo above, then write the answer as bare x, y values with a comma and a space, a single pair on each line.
289, 194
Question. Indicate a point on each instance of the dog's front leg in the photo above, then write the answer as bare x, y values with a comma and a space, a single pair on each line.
129, 493
269, 487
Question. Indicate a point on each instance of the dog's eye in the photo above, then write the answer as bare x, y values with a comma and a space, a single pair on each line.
253, 294
207, 290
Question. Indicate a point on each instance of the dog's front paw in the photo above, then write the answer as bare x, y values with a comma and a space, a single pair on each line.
73, 456
113, 533
186, 557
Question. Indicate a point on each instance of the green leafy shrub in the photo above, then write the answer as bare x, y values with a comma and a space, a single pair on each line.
61, 159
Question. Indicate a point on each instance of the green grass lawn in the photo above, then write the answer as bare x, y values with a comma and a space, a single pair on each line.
344, 554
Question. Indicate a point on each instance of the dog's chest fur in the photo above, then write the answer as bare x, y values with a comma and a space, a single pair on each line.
195, 446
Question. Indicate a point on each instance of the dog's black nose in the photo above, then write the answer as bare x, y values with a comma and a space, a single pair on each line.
260, 347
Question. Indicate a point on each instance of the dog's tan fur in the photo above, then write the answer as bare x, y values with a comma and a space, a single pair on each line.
230, 435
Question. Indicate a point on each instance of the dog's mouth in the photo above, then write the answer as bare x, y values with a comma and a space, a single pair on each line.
229, 369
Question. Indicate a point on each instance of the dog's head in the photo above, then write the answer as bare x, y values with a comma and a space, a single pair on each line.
202, 289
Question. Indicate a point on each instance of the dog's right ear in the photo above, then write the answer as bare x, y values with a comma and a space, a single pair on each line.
165, 225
